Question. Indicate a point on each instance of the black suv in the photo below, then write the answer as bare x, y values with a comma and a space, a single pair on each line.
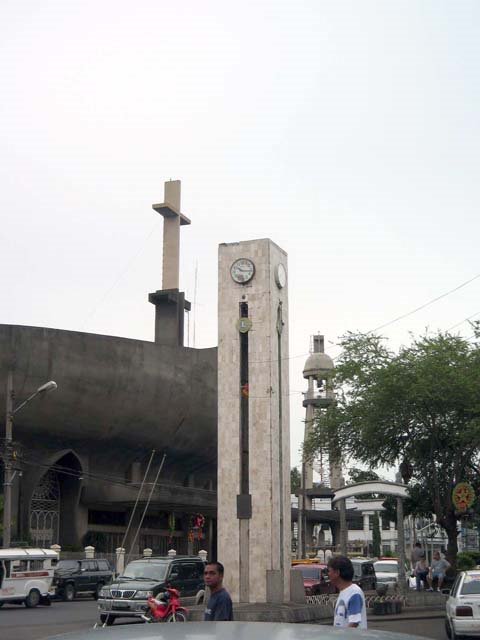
81, 576
127, 596
364, 574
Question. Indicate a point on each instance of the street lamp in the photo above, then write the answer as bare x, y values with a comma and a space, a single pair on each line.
9, 456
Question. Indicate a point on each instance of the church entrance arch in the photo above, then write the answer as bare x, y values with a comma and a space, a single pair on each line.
54, 503
45, 511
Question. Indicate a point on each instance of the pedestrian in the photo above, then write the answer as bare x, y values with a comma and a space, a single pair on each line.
350, 608
421, 573
219, 606
417, 553
438, 570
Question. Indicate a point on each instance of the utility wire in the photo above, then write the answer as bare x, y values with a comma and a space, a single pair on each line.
132, 546
136, 501
91, 476
405, 315
462, 321
120, 276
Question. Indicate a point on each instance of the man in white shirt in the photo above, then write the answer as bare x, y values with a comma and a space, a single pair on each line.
350, 610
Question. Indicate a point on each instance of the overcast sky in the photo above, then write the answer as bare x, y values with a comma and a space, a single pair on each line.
346, 131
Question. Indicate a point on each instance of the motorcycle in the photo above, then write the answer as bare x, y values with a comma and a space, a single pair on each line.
166, 608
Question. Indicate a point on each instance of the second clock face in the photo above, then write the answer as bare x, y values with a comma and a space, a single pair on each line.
280, 276
242, 270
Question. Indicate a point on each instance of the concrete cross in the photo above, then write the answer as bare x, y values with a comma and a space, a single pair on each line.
172, 219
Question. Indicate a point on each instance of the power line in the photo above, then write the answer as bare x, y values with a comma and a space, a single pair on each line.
462, 321
121, 275
405, 315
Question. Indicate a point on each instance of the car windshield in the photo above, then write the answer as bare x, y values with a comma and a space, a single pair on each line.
310, 572
471, 585
147, 570
386, 567
67, 564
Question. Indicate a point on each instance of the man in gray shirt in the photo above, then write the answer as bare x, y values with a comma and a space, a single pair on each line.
439, 567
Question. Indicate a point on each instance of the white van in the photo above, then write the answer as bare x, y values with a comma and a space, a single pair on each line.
26, 576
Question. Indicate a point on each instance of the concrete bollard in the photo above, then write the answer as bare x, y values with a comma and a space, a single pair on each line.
172, 553
147, 553
202, 554
89, 552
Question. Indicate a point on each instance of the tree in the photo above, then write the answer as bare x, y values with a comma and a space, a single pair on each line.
295, 480
420, 406
376, 537
362, 475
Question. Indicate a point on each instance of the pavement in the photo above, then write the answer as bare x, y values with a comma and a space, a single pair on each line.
422, 606
411, 613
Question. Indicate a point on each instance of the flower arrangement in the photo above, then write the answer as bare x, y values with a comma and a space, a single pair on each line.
197, 522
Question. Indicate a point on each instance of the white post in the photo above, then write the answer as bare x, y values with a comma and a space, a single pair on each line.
56, 547
147, 553
203, 555
172, 553
89, 552
120, 564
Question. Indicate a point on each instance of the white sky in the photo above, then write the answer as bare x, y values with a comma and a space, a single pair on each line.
346, 131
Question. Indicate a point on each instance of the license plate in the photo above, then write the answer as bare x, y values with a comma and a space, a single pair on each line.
117, 606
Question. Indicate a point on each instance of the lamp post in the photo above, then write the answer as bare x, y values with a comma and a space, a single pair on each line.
8, 451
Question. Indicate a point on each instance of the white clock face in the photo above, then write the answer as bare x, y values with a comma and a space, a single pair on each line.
280, 276
242, 270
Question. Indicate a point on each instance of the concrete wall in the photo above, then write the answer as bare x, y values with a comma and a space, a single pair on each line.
113, 390
117, 399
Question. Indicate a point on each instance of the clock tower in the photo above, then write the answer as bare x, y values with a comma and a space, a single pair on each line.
253, 421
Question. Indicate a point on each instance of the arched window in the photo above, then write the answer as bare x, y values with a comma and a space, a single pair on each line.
45, 511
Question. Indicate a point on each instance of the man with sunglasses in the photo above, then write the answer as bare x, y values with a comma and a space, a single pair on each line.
219, 606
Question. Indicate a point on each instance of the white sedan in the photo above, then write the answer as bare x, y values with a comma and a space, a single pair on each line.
463, 606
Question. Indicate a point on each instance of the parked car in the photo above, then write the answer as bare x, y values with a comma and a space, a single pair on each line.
81, 576
364, 574
386, 571
463, 606
127, 596
315, 578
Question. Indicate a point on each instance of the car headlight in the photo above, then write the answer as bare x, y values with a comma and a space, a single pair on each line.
105, 593
143, 594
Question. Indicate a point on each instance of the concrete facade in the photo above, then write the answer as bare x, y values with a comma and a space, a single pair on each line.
117, 400
81, 454
254, 511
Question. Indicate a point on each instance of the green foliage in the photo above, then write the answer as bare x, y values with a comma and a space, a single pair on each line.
96, 539
362, 475
420, 406
465, 561
295, 480
376, 538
